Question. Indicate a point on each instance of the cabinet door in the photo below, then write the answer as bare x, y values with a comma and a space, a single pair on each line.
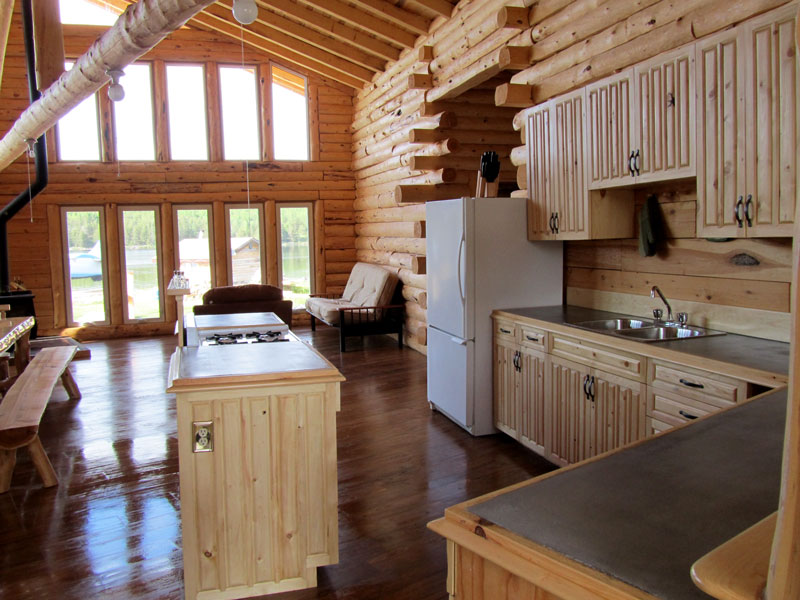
664, 116
532, 400
609, 131
570, 193
505, 383
773, 126
540, 197
568, 412
720, 135
619, 412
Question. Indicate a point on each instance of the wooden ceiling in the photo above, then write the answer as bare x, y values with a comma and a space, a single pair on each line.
345, 40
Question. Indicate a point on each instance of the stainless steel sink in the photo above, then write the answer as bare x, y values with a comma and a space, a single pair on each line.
645, 330
612, 325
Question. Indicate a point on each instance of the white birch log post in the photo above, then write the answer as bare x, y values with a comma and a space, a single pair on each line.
138, 29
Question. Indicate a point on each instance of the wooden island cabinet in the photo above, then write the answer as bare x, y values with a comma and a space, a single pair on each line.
257, 459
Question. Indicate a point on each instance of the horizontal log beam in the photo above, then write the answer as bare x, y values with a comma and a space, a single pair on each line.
425, 193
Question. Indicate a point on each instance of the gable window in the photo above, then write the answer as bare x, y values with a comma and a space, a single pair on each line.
133, 116
140, 256
245, 244
186, 98
289, 115
239, 100
85, 12
296, 251
78, 132
87, 297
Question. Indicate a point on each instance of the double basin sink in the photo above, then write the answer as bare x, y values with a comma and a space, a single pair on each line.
646, 330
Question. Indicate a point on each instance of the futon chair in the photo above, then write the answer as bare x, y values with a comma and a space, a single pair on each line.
365, 306
252, 297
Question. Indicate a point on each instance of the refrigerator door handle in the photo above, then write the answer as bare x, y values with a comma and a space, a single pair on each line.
461, 265
458, 340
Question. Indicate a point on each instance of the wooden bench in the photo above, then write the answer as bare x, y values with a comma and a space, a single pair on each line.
22, 409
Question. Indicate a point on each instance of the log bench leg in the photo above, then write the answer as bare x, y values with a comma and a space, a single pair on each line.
69, 384
8, 458
42, 463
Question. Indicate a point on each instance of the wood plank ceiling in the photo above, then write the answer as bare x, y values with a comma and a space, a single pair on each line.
346, 41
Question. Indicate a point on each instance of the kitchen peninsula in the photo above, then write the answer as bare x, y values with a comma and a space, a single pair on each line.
257, 459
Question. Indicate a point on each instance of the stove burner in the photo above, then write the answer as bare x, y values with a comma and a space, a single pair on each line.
254, 337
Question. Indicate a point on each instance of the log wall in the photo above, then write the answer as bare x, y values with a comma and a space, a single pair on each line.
417, 137
326, 181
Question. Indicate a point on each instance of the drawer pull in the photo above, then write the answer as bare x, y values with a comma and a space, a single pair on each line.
504, 330
531, 338
683, 413
692, 384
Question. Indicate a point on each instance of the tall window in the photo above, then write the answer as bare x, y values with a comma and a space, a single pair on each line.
133, 116
84, 12
194, 256
186, 97
78, 132
296, 251
86, 267
141, 281
289, 115
245, 236
239, 99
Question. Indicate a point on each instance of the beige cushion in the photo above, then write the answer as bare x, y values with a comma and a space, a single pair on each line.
370, 285
327, 309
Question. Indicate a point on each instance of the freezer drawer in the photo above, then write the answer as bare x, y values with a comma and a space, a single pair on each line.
450, 372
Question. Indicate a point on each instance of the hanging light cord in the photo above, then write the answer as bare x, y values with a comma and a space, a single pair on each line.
28, 155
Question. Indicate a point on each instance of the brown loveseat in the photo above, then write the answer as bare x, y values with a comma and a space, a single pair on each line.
252, 297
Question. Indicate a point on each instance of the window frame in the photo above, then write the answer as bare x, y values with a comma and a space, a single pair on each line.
150, 64
261, 233
259, 110
271, 65
98, 122
126, 318
212, 263
206, 108
309, 206
70, 317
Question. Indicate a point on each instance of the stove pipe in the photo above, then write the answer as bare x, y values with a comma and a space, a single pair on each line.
40, 152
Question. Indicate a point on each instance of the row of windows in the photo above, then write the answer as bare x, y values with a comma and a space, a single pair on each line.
133, 122
87, 265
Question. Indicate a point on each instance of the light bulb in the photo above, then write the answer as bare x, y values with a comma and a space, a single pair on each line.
245, 11
116, 92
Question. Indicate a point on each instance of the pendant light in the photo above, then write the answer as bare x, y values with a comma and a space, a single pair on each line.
115, 91
245, 11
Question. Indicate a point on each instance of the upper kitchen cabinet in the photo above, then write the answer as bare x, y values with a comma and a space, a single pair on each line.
561, 207
748, 128
641, 123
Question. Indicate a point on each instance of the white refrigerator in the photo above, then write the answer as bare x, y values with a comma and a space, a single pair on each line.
478, 259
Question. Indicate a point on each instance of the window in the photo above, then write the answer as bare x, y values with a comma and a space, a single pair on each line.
83, 12
289, 115
78, 132
239, 100
186, 97
245, 236
87, 294
296, 251
194, 255
140, 255
133, 116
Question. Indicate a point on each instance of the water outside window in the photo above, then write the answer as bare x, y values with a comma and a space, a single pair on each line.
194, 253
86, 280
239, 100
186, 97
78, 133
296, 266
289, 115
140, 239
245, 239
133, 116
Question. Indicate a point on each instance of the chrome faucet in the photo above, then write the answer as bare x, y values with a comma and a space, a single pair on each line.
653, 291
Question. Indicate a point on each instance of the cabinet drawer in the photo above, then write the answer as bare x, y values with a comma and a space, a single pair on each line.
675, 409
702, 386
532, 337
505, 330
603, 357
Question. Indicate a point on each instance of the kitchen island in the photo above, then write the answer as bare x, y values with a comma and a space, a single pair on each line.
257, 460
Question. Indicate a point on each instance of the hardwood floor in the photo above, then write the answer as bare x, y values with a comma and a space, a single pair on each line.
111, 529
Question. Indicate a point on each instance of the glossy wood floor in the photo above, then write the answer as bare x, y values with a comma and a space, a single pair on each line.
111, 529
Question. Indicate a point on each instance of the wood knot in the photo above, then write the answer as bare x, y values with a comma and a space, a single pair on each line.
207, 554
479, 531
289, 536
745, 260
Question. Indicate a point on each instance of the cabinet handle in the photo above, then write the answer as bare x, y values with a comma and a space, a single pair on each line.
689, 416
586, 387
748, 206
531, 338
556, 222
630, 164
692, 384
591, 389
737, 212
552, 219
636, 163
517, 364
504, 330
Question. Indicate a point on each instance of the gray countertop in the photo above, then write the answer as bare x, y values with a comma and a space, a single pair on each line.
645, 514
745, 351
